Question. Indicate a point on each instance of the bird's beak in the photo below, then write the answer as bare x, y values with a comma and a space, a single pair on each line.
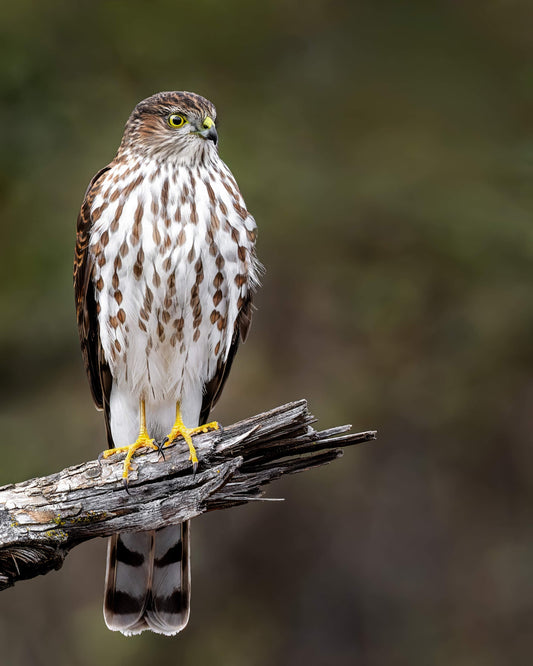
208, 130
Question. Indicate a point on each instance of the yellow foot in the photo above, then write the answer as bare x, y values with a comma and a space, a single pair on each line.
142, 440
181, 430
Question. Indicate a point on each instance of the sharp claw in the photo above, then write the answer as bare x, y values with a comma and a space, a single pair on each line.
126, 486
160, 446
194, 470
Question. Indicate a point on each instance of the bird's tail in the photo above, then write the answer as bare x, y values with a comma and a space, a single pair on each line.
148, 581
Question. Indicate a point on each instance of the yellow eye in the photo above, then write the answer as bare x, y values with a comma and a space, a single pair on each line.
177, 120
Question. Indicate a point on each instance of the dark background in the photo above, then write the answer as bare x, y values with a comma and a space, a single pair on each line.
386, 151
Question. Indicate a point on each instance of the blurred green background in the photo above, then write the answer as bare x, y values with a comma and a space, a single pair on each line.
386, 151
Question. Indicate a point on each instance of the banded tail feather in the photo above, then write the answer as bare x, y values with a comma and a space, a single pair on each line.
148, 581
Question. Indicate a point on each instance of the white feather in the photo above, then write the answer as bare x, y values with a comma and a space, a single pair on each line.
146, 364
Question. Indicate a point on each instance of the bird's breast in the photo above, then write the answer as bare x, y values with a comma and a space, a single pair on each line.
173, 264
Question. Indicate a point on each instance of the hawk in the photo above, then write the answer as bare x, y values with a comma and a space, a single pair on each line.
165, 267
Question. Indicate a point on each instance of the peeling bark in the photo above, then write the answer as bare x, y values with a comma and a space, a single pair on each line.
42, 519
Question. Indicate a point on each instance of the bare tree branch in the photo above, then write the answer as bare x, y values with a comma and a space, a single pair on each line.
42, 519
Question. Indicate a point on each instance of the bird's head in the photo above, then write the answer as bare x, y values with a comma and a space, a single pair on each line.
172, 125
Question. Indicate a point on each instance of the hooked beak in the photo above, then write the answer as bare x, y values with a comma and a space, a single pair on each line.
208, 130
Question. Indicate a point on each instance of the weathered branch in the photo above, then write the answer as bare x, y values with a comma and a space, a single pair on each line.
42, 519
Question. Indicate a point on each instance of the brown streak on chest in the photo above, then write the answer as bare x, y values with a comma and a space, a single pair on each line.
215, 222
241, 212
97, 212
164, 195
148, 299
116, 218
138, 266
210, 192
194, 214
126, 192
137, 220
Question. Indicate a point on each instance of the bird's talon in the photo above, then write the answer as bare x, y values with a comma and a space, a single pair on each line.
160, 447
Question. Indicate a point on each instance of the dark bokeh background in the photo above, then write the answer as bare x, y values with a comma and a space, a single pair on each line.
386, 151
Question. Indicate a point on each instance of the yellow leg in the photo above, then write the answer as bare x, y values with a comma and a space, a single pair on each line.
180, 429
142, 440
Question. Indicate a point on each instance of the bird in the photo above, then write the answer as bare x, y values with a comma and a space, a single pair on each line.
165, 270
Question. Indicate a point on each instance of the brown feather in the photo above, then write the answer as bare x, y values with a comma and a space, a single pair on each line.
97, 369
213, 388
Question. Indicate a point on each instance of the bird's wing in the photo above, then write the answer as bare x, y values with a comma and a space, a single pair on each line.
95, 365
214, 386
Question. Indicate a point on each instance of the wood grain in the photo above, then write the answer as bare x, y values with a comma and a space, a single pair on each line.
42, 519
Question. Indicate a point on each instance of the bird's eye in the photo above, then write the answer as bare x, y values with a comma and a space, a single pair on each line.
177, 120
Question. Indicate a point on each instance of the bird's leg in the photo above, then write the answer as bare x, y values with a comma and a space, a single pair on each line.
142, 440
180, 429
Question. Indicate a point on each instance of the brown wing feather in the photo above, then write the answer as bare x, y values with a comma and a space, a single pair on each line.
95, 365
213, 388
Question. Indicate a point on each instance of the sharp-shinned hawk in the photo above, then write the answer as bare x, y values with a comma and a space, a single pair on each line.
164, 272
